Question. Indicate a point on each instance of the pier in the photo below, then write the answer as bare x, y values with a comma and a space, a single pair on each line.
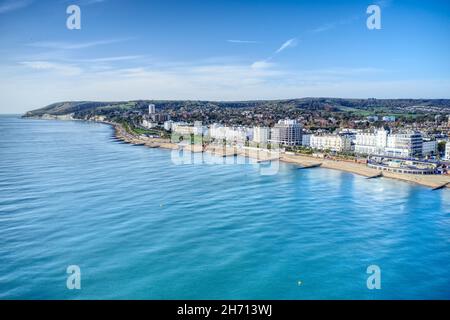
378, 175
442, 186
315, 165
268, 160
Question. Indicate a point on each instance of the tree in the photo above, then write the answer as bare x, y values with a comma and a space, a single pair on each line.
441, 147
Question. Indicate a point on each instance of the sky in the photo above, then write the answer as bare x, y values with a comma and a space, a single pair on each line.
221, 50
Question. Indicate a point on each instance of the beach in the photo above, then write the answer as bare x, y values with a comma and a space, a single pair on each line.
430, 181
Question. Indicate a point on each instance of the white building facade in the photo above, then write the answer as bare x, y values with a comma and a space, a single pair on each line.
306, 140
331, 142
371, 143
429, 147
231, 134
149, 124
287, 133
402, 145
261, 134
168, 125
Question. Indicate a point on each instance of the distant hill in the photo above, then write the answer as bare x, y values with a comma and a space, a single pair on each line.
79, 108
67, 107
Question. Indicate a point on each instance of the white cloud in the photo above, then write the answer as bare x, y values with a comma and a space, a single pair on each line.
69, 45
85, 2
243, 41
287, 44
335, 24
323, 28
46, 82
111, 59
11, 5
63, 69
262, 64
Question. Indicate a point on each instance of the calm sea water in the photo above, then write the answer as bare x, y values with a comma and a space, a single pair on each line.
140, 226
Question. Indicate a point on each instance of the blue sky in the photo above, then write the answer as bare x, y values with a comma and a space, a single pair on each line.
221, 50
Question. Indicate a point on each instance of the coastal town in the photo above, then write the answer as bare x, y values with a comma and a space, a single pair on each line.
390, 144
388, 151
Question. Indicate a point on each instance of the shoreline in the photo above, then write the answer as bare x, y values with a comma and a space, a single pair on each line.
304, 161
430, 181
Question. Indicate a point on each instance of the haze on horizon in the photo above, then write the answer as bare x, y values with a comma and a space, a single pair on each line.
220, 50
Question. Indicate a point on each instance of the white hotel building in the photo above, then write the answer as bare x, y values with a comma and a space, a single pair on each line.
331, 142
230, 134
286, 133
371, 143
184, 129
429, 147
306, 140
401, 145
261, 134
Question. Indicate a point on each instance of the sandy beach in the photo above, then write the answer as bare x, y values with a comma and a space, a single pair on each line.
431, 181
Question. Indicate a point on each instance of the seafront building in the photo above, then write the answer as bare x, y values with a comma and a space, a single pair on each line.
371, 143
149, 124
231, 134
174, 125
403, 166
261, 134
168, 125
184, 129
286, 133
429, 147
406, 145
306, 140
338, 143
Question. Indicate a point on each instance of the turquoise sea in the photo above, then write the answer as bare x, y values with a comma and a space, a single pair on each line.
140, 226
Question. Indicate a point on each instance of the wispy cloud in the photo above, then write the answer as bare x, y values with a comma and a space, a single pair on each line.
287, 44
207, 81
63, 69
262, 64
93, 1
111, 59
323, 28
265, 62
11, 5
72, 46
332, 25
84, 2
242, 41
